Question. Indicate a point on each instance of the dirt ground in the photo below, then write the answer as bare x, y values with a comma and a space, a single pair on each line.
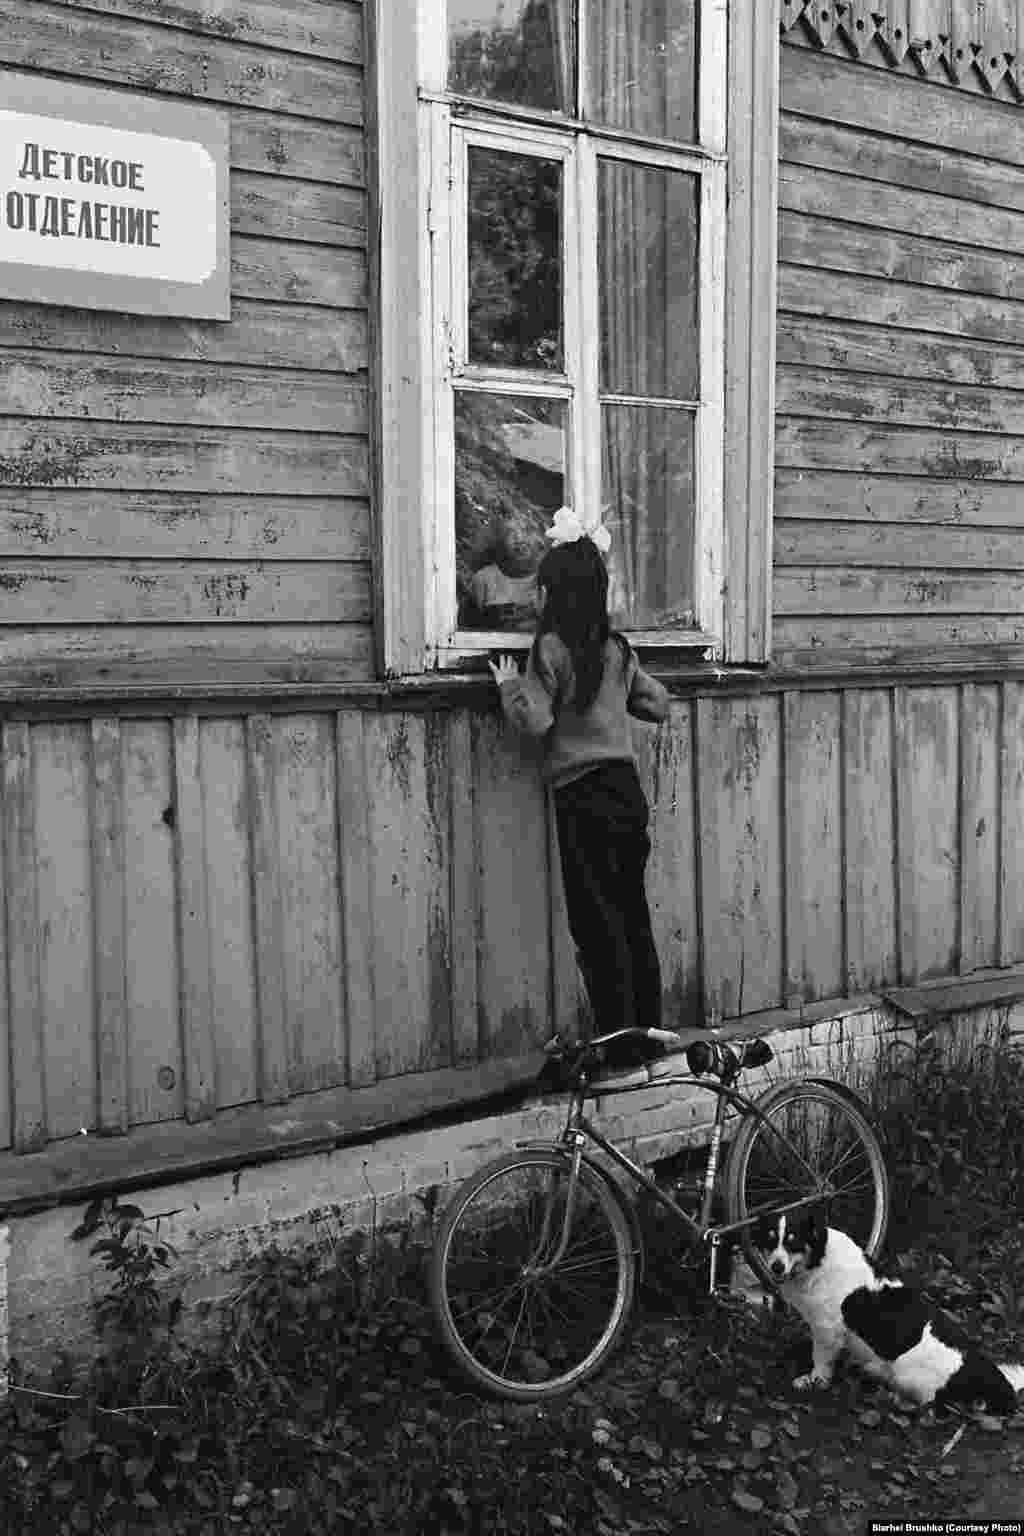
696, 1426
363, 1428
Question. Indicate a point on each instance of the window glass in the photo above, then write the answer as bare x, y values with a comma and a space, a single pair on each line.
519, 51
647, 262
511, 453
647, 492
515, 266
641, 68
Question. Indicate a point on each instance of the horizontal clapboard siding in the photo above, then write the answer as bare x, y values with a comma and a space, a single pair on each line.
900, 369
202, 913
194, 495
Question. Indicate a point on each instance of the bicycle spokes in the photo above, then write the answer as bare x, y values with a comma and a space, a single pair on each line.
821, 1154
533, 1275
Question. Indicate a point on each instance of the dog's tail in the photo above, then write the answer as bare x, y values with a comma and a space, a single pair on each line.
1014, 1375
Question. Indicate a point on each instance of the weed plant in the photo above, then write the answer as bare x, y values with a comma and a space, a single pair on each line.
314, 1407
950, 1107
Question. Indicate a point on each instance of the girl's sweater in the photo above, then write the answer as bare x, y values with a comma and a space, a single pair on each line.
541, 704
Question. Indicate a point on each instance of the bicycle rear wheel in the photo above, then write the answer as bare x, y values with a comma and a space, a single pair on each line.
815, 1136
519, 1319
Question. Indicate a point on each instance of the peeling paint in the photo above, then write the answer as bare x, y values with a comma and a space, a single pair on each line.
5, 1251
227, 591
47, 461
437, 771
37, 527
275, 148
399, 755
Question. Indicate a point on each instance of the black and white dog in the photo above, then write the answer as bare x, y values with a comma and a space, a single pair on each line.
886, 1327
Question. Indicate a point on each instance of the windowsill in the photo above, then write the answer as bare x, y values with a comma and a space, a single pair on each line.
70, 690
477, 645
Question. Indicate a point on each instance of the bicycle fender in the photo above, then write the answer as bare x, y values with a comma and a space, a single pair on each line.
856, 1099
628, 1206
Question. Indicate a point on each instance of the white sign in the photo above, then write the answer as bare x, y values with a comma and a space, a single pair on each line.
103, 200
97, 213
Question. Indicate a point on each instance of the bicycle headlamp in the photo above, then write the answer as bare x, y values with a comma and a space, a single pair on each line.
703, 1056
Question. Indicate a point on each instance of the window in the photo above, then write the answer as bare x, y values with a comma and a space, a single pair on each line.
559, 262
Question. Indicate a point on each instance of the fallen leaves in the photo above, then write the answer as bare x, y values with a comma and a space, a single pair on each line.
694, 1427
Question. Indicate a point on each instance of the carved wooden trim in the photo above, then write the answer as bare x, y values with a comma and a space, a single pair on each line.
975, 45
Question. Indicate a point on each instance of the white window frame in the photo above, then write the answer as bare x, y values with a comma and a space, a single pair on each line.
418, 138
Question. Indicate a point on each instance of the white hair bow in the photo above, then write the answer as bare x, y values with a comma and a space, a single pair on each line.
568, 526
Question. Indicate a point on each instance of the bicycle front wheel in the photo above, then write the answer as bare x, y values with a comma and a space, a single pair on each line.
812, 1137
522, 1315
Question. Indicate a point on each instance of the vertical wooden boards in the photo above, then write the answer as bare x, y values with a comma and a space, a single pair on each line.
928, 830
355, 856
82, 1031
869, 840
6, 1021
438, 814
666, 760
200, 913
238, 1063
813, 846
195, 939
741, 868
409, 816
979, 827
997, 34
463, 885
26, 1026
155, 1062
963, 27
304, 786
108, 904
895, 29
514, 958
1011, 825
271, 1063
859, 24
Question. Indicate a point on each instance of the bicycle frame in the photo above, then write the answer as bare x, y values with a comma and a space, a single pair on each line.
578, 1131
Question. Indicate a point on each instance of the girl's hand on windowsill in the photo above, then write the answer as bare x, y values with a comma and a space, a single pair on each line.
504, 669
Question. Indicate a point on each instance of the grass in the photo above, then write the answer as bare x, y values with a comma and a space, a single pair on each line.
325, 1406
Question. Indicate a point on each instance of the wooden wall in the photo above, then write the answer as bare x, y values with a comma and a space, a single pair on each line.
975, 45
238, 909
899, 503
180, 494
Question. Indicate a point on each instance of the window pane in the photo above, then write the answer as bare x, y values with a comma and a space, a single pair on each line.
647, 256
642, 66
510, 478
513, 50
648, 497
515, 264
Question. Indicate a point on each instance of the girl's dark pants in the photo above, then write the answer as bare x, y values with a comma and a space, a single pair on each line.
603, 845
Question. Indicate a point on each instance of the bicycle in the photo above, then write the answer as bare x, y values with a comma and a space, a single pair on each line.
534, 1270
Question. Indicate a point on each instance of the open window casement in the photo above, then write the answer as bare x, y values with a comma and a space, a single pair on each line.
560, 234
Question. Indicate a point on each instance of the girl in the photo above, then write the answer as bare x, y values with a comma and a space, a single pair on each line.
582, 682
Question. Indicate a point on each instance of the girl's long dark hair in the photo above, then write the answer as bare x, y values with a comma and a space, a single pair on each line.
575, 582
